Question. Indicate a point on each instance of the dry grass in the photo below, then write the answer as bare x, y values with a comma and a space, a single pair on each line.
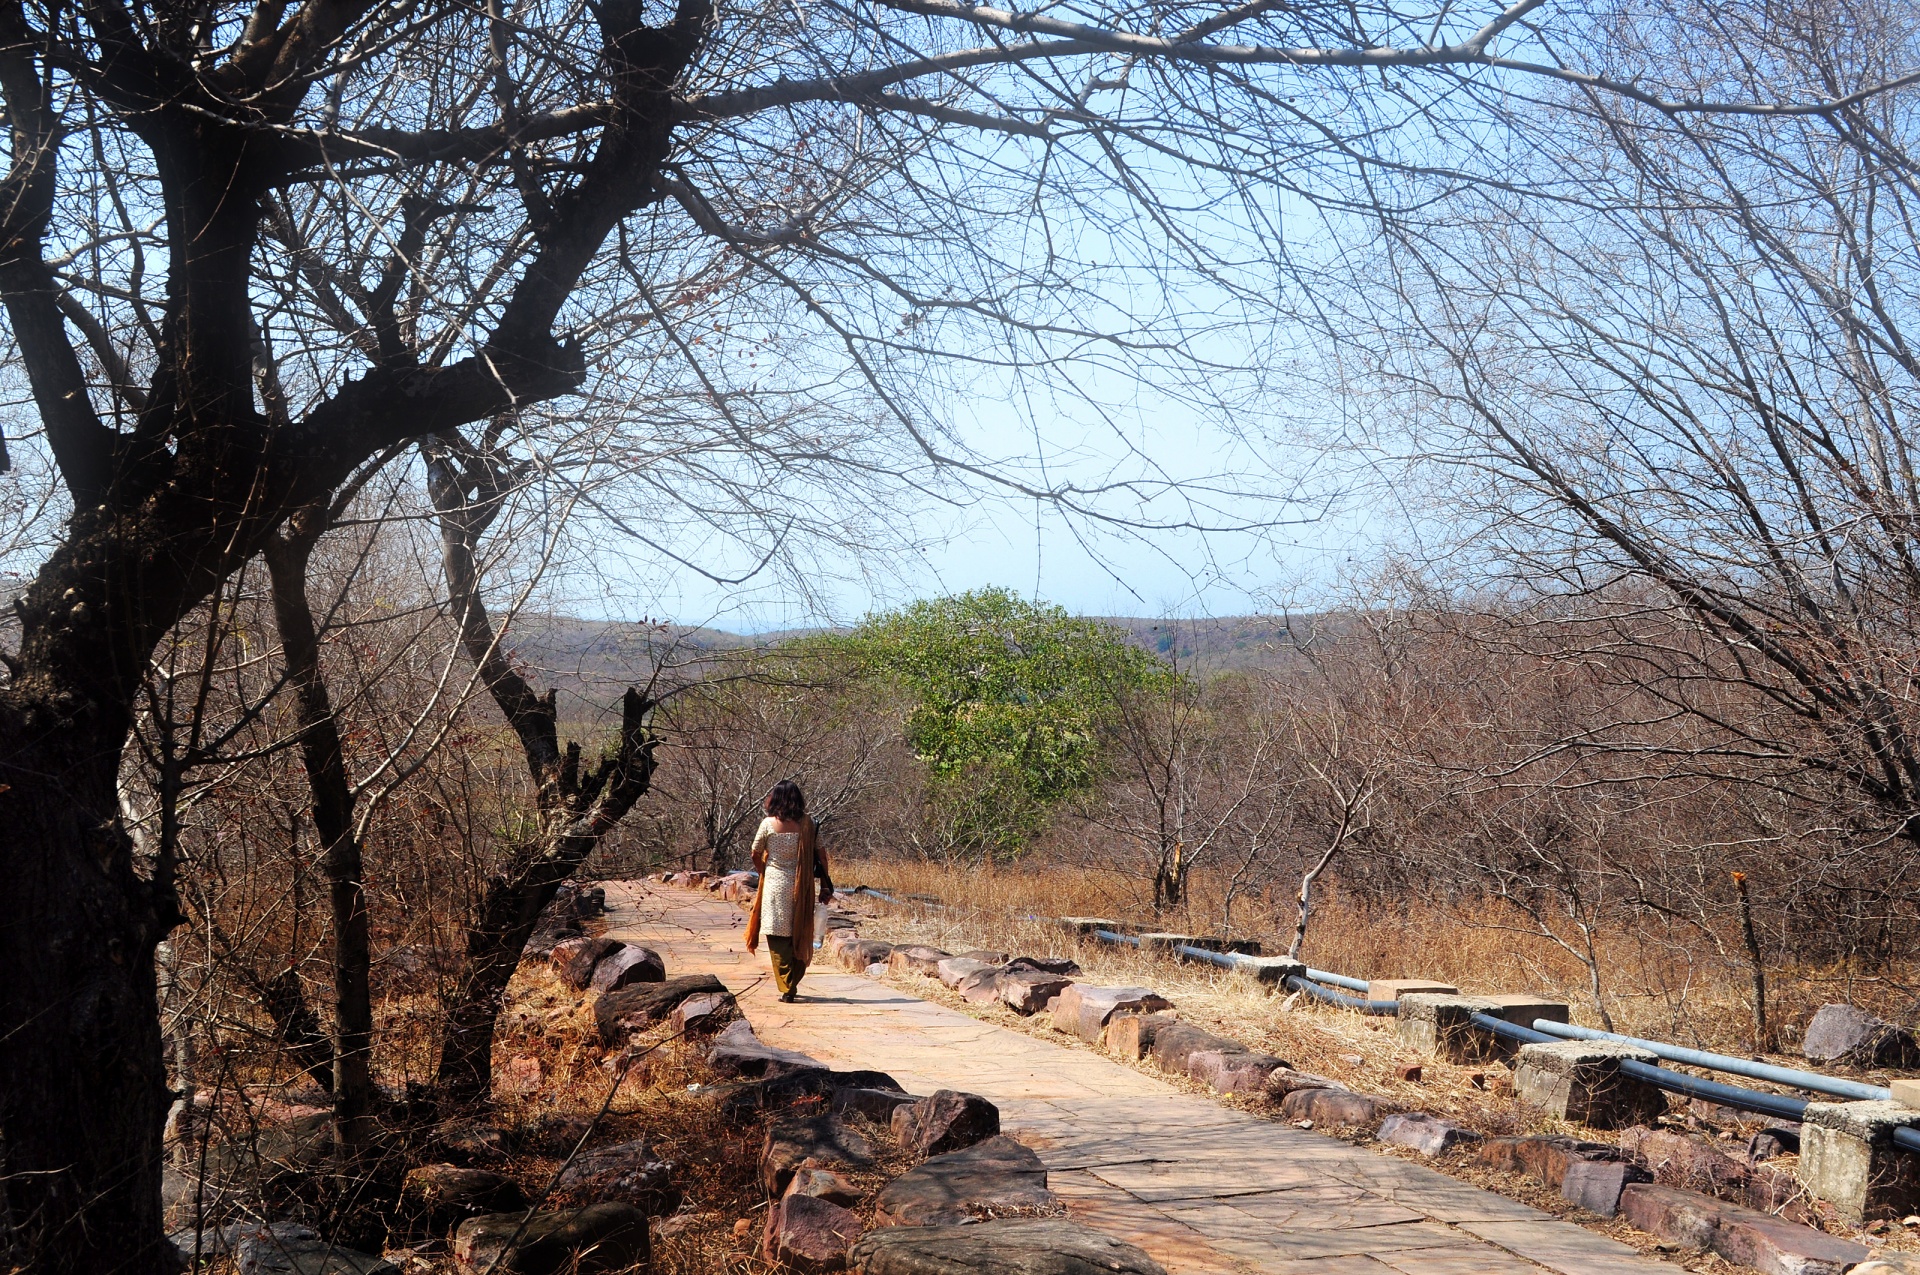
1359, 1051
1668, 985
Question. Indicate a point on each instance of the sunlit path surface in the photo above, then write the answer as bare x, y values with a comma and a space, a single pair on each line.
1202, 1187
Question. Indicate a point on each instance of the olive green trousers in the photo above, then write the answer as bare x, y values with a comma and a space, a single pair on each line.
787, 969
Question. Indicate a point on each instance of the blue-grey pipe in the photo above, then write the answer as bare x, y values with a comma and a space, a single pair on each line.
1338, 980
1722, 1062
1777, 1105
1108, 936
1226, 960
1382, 1008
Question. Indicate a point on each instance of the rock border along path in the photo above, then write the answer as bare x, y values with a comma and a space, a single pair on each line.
1202, 1187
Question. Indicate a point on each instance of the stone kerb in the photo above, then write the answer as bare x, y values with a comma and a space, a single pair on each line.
1441, 1025
1581, 1080
1847, 1158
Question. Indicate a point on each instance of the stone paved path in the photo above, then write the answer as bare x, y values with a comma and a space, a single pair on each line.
1202, 1187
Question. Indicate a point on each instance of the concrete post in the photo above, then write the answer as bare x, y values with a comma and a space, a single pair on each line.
1581, 1080
1439, 1025
1270, 970
1848, 1159
1392, 989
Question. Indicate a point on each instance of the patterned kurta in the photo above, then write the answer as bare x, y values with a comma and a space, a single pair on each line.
777, 885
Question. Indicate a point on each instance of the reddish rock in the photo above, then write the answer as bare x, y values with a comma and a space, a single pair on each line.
916, 959
1062, 966
1083, 1010
946, 1121
955, 969
521, 1076
626, 1172
1027, 992
1011, 1246
1546, 1159
1332, 1107
1130, 1036
704, 1014
824, 1183
1233, 1071
997, 1176
1175, 1043
820, 1140
1429, 1135
877, 1105
438, 1197
736, 1051
600, 1237
620, 1013
809, 1235
984, 956
1410, 1072
1595, 1185
1680, 1216
1286, 1080
1843, 1034
577, 971
861, 953
627, 965
1743, 1236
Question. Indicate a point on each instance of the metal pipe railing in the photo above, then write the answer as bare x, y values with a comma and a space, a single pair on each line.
1722, 1062
1108, 936
1226, 960
1331, 997
1338, 980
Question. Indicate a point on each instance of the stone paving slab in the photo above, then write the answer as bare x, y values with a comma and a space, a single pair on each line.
1205, 1189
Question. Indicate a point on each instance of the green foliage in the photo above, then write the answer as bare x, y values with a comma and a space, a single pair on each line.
1007, 697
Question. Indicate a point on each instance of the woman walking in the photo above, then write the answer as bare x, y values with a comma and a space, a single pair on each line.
787, 854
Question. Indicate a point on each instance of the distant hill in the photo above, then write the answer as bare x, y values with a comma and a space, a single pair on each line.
597, 659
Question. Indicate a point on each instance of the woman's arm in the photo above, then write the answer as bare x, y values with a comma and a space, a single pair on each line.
759, 854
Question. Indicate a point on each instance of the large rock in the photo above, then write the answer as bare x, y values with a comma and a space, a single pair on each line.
1845, 1035
809, 1235
631, 1009
1026, 1246
627, 965
1745, 1237
995, 1176
946, 1121
1285, 1080
703, 1015
1131, 1036
916, 959
625, 1173
288, 1249
877, 1105
576, 970
736, 1051
585, 1241
1175, 1042
741, 1100
826, 1183
956, 968
1333, 1107
858, 955
1547, 1158
821, 1140
982, 987
1083, 1010
1027, 992
1596, 1185
438, 1197
1065, 966
1235, 1070
1429, 1135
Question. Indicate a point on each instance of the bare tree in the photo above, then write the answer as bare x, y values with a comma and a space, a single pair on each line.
436, 215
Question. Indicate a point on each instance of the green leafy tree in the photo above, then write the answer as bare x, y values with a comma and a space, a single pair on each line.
1007, 700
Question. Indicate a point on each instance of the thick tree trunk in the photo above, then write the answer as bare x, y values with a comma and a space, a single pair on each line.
83, 1092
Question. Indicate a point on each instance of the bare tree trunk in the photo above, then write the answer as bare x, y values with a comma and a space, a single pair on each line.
576, 809
1762, 1035
1306, 882
287, 555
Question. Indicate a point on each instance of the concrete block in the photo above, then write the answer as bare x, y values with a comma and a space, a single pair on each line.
1163, 942
1130, 1036
1581, 1080
1907, 1093
1392, 989
1848, 1159
1438, 1024
1595, 1185
1523, 1007
1273, 971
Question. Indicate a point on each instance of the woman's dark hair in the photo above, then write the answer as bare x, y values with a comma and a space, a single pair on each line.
786, 801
